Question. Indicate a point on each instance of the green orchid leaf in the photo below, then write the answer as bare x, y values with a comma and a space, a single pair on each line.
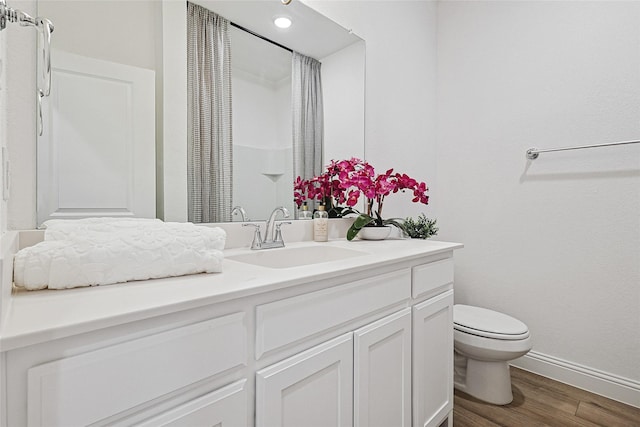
341, 211
395, 222
361, 221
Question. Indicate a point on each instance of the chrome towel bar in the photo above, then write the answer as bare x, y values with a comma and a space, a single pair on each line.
533, 153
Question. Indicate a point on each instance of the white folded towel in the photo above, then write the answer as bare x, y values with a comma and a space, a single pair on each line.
64, 229
102, 251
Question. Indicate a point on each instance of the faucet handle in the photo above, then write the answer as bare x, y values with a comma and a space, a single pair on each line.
279, 231
257, 238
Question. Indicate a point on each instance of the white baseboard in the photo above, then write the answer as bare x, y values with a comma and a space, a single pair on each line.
608, 385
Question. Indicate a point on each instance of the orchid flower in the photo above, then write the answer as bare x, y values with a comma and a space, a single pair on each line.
344, 181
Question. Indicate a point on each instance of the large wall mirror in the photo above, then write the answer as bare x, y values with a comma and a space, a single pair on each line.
115, 126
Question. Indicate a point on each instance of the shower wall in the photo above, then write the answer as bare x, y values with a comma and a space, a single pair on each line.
262, 155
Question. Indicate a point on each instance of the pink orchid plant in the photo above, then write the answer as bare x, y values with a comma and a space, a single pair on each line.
338, 185
344, 181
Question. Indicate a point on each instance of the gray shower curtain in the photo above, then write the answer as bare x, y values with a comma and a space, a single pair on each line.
210, 152
308, 116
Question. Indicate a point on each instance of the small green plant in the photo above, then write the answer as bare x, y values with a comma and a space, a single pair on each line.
420, 228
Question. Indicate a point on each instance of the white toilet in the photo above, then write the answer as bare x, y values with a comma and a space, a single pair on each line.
484, 342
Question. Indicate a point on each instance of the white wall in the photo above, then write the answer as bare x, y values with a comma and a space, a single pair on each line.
555, 241
96, 19
21, 119
343, 86
400, 96
3, 130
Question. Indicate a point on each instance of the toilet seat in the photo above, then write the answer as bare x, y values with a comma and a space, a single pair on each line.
488, 323
484, 342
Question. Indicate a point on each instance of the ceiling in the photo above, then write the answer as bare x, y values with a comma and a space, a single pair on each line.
259, 59
311, 34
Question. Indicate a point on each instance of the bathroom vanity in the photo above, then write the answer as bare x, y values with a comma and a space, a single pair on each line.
363, 339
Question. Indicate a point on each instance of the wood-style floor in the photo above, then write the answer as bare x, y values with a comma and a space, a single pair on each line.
539, 401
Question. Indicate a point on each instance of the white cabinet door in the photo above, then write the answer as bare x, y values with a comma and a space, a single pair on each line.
433, 360
226, 407
382, 372
312, 388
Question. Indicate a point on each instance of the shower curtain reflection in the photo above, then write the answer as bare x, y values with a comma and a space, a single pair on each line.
308, 116
210, 148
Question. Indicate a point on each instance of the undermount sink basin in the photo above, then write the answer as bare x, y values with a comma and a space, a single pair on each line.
295, 257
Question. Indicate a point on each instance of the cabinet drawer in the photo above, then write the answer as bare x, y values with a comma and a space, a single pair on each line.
226, 407
432, 278
286, 321
87, 388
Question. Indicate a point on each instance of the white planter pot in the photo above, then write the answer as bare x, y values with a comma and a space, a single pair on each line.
375, 233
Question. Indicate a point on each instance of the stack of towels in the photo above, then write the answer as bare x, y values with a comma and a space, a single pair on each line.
102, 251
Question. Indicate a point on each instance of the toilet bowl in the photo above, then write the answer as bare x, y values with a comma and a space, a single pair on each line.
484, 342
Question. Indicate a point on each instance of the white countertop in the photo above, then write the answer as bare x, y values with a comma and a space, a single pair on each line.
37, 316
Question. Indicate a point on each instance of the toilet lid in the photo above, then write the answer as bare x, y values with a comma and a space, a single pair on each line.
488, 323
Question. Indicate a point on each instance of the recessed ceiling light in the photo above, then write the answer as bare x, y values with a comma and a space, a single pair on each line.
282, 22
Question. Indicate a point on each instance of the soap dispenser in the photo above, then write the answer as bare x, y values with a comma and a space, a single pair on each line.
305, 213
321, 225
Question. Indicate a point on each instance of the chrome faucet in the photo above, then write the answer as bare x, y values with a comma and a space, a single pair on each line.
272, 233
241, 211
269, 232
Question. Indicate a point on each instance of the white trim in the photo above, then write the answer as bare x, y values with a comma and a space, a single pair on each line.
174, 116
9, 242
608, 385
